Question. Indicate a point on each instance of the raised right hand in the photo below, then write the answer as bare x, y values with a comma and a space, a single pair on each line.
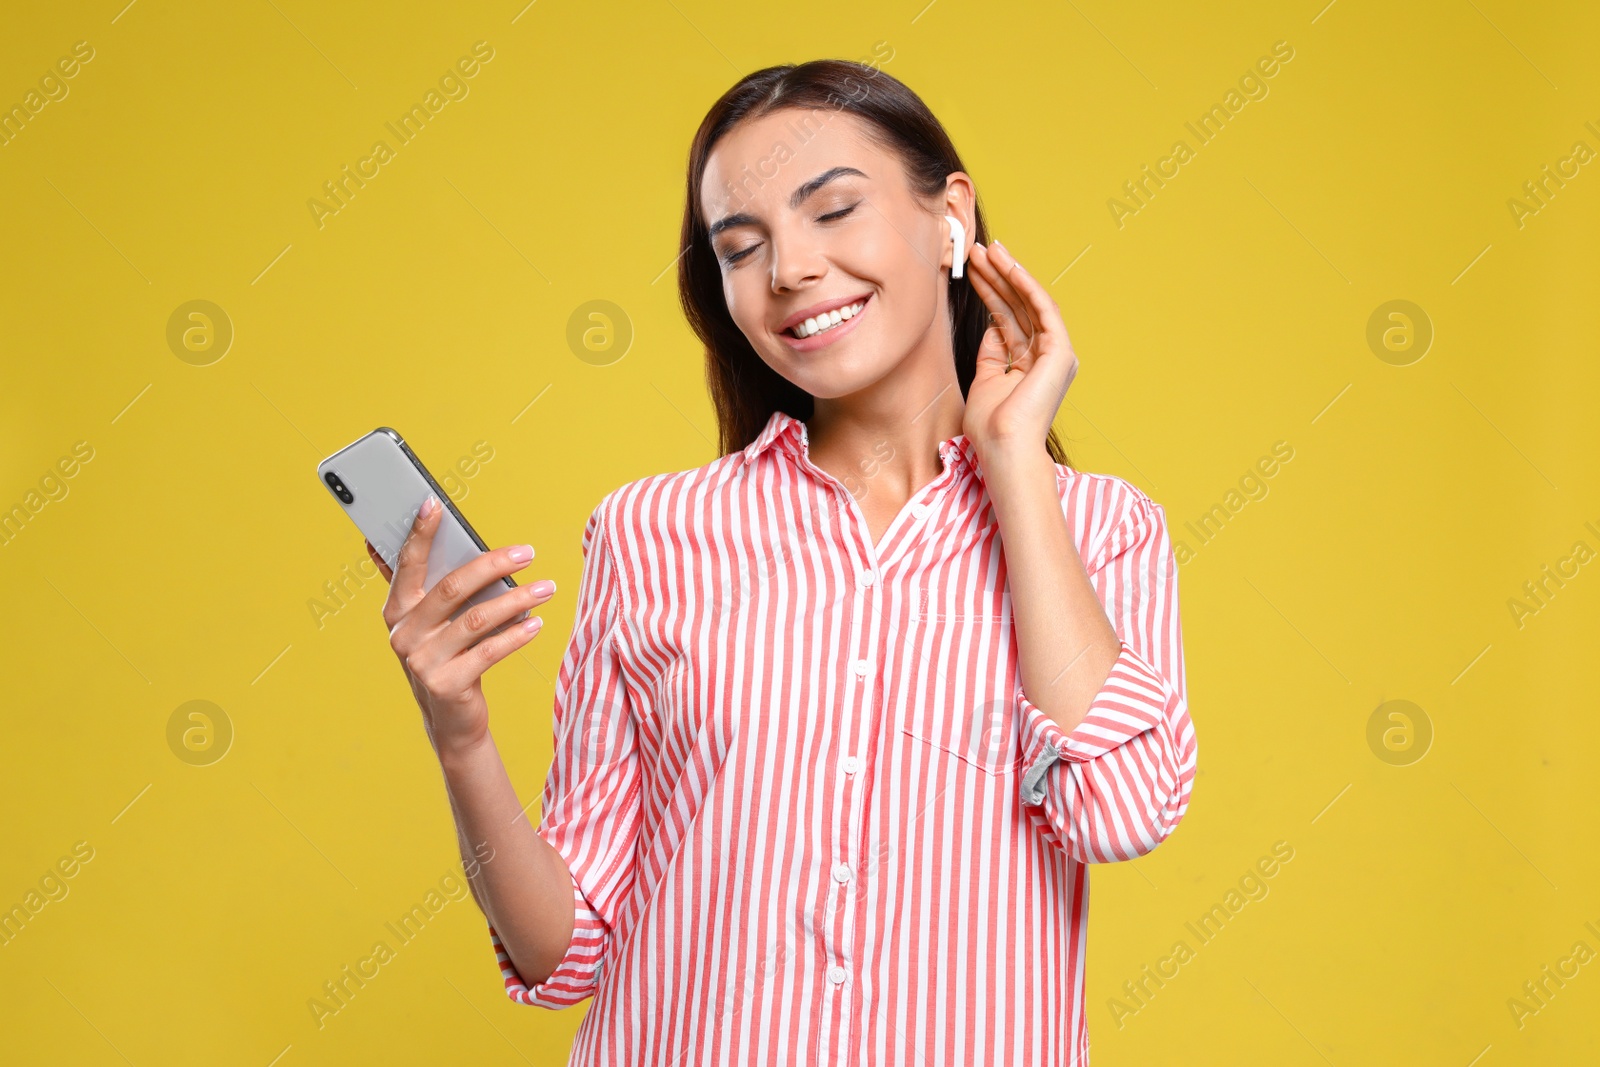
441, 661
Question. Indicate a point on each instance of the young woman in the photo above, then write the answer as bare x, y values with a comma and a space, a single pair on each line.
829, 763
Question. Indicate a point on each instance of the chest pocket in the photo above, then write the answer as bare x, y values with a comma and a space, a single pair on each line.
960, 689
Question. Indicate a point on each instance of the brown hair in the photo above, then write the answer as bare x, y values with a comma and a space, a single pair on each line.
743, 388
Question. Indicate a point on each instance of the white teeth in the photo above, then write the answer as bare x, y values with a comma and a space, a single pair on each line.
827, 320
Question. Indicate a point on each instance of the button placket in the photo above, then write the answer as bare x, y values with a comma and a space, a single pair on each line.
843, 876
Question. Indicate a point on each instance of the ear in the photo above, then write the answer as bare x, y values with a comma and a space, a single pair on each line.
960, 202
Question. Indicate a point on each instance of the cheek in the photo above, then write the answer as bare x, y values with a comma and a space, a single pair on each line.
878, 251
886, 255
741, 290
907, 279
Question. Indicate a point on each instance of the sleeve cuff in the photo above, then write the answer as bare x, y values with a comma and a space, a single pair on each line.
576, 976
1130, 702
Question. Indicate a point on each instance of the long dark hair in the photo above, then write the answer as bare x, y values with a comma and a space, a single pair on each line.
744, 389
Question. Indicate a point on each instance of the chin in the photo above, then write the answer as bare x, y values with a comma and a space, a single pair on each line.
855, 364
832, 386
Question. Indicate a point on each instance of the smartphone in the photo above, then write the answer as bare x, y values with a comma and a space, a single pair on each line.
381, 484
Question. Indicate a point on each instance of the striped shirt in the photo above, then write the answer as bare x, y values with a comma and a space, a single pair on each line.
810, 815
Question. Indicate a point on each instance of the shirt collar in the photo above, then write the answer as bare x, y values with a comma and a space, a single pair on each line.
788, 435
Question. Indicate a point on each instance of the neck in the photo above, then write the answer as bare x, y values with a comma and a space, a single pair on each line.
885, 439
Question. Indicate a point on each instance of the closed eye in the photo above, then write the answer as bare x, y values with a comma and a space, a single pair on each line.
832, 216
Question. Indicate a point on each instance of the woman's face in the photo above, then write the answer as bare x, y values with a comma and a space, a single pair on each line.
807, 216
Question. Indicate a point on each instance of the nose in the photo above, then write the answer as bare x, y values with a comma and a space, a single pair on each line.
797, 262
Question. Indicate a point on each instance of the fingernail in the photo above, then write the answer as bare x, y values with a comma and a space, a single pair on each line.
543, 587
430, 505
520, 553
532, 625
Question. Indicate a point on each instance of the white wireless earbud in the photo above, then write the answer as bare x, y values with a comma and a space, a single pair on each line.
958, 238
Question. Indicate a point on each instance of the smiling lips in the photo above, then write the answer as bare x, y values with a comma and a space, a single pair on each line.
823, 327
827, 320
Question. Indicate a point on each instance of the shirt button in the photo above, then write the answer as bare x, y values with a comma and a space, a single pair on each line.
841, 873
850, 764
865, 578
919, 510
836, 974
862, 666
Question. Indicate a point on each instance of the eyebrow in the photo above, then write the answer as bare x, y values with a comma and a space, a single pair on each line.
799, 196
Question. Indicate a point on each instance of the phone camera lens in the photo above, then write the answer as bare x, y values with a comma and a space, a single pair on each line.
338, 487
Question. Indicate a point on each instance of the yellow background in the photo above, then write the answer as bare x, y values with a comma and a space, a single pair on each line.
1228, 314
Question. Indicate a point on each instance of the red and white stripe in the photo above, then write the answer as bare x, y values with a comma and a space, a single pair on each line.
810, 815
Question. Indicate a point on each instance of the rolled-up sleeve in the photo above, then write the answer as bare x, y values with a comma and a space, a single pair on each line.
1119, 783
590, 804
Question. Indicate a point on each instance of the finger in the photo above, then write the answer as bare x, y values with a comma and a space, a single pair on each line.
471, 625
411, 565
1016, 333
1051, 355
383, 568
1006, 267
993, 352
1008, 305
464, 669
1000, 313
451, 591
1045, 312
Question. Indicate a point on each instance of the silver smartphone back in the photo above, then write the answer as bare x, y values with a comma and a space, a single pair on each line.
381, 484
